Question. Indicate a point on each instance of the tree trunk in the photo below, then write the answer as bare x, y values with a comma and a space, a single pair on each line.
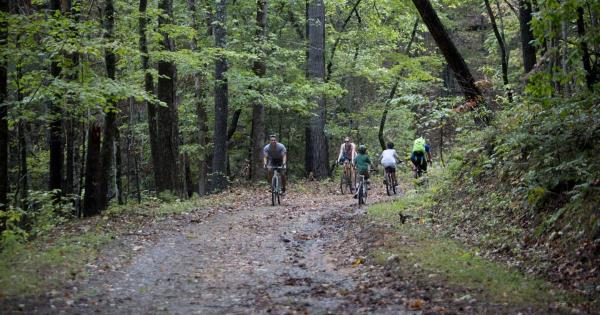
413, 34
3, 116
82, 168
107, 150
337, 41
230, 131
451, 54
189, 185
23, 169
71, 103
565, 57
384, 115
526, 35
259, 68
200, 92
56, 133
319, 165
219, 169
118, 167
167, 122
590, 76
502, 46
132, 151
70, 165
92, 171
149, 88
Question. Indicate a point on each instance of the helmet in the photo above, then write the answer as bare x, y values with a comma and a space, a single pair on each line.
362, 149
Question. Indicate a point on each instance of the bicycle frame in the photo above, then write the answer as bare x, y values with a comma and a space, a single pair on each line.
362, 190
275, 184
390, 183
346, 177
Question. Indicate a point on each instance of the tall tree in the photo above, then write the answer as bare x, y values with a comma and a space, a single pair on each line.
258, 109
4, 10
339, 37
167, 119
448, 49
200, 92
70, 121
502, 46
317, 162
526, 35
55, 118
382, 142
149, 88
108, 146
92, 171
316, 155
590, 74
219, 168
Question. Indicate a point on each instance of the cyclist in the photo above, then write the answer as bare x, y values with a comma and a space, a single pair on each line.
419, 151
347, 151
362, 162
389, 159
275, 155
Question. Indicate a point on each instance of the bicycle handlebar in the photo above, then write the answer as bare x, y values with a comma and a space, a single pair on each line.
276, 167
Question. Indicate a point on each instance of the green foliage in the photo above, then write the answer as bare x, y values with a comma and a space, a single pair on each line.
42, 216
45, 264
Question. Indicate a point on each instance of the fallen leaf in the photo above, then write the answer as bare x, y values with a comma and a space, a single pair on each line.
358, 261
416, 304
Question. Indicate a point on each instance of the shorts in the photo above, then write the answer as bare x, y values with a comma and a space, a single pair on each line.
363, 172
344, 159
419, 160
390, 169
276, 162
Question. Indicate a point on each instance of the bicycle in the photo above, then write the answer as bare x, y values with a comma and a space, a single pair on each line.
346, 179
361, 190
276, 185
418, 170
390, 183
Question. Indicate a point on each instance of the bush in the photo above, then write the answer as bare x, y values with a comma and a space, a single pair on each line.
42, 215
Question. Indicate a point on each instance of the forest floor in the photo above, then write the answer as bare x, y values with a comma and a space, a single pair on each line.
317, 253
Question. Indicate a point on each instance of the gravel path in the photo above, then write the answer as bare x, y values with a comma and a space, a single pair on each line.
294, 258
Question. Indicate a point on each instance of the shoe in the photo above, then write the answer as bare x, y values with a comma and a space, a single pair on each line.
385, 181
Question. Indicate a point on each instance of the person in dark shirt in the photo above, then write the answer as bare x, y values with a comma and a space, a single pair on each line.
362, 163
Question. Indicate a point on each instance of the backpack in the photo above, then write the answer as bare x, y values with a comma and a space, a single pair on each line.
419, 145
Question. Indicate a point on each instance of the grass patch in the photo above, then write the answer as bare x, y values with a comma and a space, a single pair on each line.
45, 264
417, 244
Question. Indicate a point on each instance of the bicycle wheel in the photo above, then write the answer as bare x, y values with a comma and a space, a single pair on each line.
345, 184
275, 189
361, 194
388, 183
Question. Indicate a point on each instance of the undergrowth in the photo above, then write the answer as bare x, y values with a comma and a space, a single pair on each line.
416, 243
528, 187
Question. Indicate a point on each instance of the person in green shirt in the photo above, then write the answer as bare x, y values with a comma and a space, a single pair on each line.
362, 162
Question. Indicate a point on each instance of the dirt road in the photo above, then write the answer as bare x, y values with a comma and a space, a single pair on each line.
300, 257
